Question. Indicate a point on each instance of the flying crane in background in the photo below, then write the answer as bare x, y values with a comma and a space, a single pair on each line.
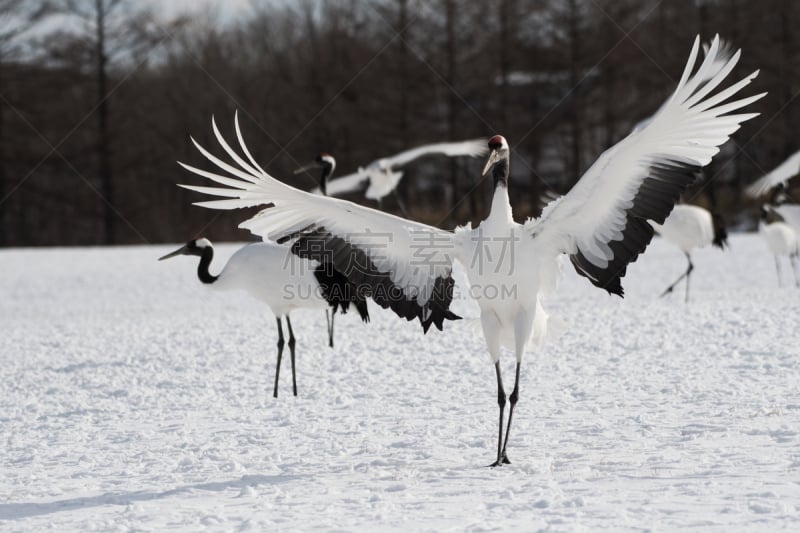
381, 177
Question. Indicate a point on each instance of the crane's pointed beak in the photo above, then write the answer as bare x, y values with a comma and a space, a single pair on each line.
179, 251
309, 166
493, 157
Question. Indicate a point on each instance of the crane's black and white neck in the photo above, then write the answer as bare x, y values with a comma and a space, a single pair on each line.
498, 161
203, 249
327, 164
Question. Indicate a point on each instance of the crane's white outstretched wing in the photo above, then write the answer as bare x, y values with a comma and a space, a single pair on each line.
790, 214
781, 174
400, 264
349, 183
724, 54
472, 148
602, 222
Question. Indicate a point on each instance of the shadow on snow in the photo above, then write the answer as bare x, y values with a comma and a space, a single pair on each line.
12, 511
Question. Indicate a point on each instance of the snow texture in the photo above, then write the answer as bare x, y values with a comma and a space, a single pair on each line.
133, 398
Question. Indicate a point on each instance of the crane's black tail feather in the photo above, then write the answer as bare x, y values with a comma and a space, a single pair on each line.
720, 233
339, 292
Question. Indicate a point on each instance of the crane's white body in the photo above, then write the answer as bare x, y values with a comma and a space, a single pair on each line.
687, 227
790, 214
781, 238
782, 241
273, 275
507, 279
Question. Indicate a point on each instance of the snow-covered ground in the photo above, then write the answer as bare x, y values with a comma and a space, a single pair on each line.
133, 398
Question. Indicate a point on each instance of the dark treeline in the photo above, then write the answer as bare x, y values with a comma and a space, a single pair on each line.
98, 99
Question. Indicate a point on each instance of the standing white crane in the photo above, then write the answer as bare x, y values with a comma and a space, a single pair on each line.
602, 223
381, 176
781, 236
689, 227
272, 274
781, 240
790, 213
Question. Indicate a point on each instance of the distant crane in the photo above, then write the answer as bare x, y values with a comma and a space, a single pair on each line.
782, 240
781, 236
689, 227
381, 176
602, 223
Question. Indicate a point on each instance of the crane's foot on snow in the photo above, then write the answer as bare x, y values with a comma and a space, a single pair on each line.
502, 461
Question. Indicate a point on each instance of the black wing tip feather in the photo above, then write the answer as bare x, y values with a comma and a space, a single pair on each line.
438, 319
666, 179
363, 310
363, 279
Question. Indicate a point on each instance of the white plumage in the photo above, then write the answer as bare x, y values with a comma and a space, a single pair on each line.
790, 213
779, 176
272, 274
689, 227
381, 176
723, 53
601, 223
782, 237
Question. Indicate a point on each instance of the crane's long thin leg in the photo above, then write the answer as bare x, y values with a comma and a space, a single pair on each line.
778, 268
380, 204
280, 355
501, 402
329, 321
688, 276
685, 274
333, 315
491, 332
513, 399
291, 352
793, 261
400, 203
523, 326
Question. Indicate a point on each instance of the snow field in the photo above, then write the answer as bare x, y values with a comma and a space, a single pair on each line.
134, 398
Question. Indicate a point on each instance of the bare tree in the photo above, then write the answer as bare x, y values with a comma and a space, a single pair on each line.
561, 79
108, 32
18, 17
